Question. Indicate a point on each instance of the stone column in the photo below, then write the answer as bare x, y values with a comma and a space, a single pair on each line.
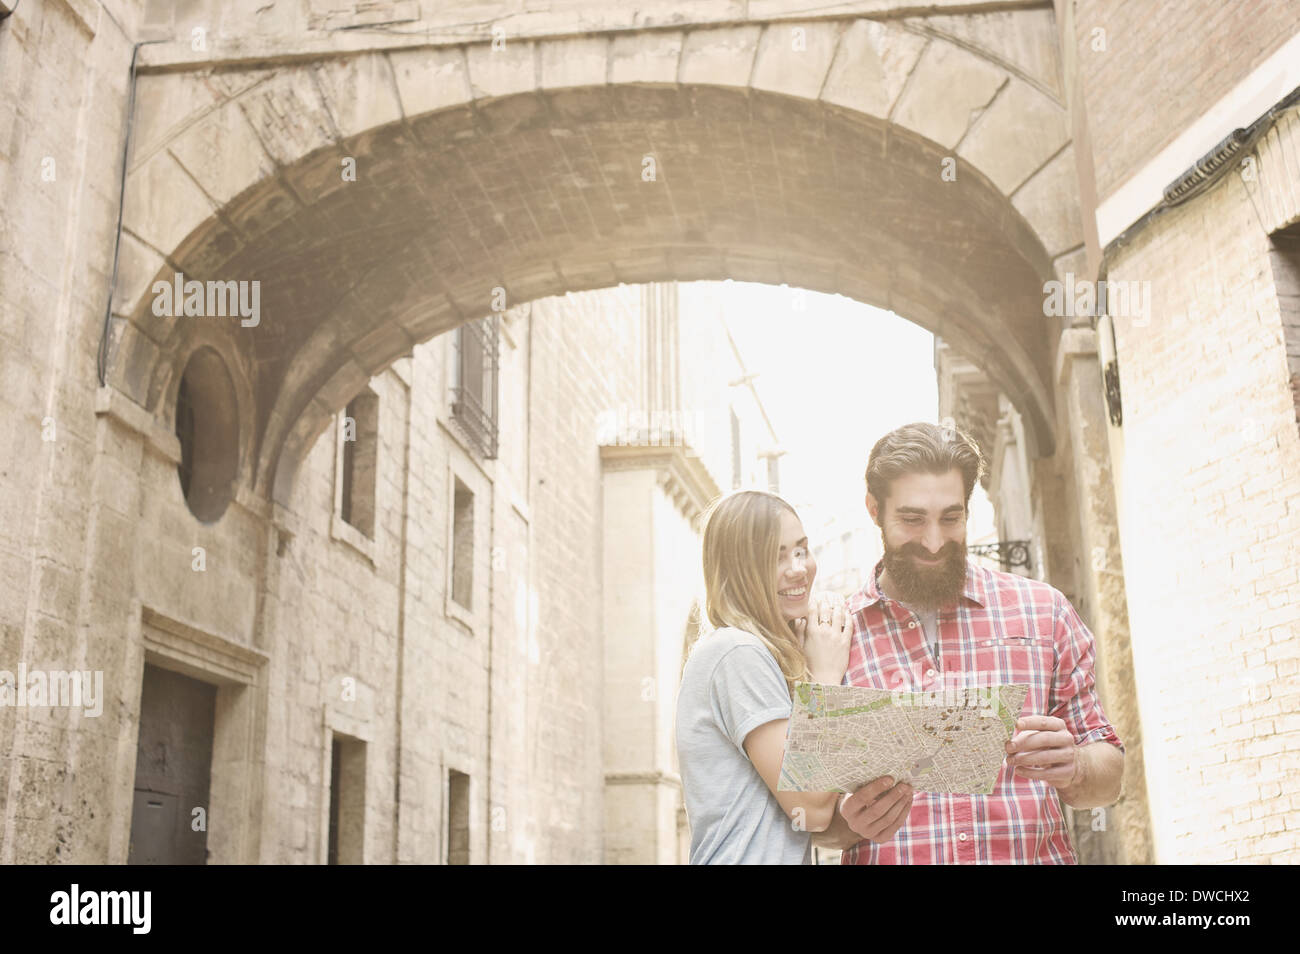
1120, 834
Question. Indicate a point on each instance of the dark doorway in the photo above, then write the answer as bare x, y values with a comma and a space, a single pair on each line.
347, 813
173, 765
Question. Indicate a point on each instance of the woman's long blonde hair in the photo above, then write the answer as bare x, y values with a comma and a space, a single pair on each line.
742, 543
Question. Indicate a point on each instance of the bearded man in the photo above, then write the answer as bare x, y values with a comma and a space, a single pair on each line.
929, 619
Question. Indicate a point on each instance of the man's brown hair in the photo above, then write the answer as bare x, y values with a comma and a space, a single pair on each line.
923, 448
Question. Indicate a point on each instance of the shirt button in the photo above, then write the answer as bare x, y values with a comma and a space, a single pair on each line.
912, 625
929, 672
961, 837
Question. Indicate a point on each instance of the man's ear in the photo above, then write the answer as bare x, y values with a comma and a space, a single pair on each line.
873, 508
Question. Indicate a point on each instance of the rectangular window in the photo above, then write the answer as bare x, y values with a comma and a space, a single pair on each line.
462, 547
475, 347
360, 455
458, 818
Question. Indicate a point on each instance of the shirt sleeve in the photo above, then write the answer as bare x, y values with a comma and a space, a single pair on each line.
746, 691
1074, 692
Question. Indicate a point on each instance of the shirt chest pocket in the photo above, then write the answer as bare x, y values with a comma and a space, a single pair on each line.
1021, 659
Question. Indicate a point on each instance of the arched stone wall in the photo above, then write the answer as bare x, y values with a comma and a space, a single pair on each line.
817, 162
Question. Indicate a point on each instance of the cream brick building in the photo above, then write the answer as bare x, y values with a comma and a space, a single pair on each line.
386, 173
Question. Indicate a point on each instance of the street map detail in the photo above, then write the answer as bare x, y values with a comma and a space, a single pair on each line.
948, 741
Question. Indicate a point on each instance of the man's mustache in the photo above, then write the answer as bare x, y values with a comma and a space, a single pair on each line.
948, 550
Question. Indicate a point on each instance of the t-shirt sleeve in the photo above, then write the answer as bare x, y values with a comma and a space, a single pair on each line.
746, 691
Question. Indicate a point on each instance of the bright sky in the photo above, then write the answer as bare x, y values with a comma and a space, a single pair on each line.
834, 377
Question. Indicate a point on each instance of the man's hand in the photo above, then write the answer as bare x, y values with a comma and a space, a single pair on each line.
1044, 750
878, 809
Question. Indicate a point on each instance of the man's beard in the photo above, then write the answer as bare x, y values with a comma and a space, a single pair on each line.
927, 587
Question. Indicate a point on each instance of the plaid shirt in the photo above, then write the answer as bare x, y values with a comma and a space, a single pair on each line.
1003, 629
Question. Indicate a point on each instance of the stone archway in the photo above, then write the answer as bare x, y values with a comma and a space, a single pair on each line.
574, 163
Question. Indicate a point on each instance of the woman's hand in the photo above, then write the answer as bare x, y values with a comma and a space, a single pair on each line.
825, 637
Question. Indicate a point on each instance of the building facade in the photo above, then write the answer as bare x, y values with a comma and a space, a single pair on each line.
347, 182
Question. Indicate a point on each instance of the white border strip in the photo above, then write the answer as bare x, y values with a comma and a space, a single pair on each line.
1245, 103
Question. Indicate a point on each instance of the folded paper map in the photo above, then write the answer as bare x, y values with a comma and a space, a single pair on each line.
949, 741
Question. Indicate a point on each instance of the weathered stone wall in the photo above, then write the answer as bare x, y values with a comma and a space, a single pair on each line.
95, 535
515, 686
338, 616
69, 502
577, 375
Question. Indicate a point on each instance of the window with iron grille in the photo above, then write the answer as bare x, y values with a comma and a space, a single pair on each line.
474, 387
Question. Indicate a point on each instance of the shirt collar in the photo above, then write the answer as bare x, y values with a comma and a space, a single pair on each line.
975, 588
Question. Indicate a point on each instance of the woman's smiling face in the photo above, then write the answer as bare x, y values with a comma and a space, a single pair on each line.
795, 568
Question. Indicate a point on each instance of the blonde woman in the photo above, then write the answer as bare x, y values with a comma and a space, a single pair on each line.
733, 705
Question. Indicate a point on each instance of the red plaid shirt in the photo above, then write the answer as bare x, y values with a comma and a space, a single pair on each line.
1003, 629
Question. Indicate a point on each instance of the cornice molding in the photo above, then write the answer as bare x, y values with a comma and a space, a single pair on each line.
679, 471
652, 777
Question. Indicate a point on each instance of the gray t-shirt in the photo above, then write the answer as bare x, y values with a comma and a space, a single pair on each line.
930, 624
730, 686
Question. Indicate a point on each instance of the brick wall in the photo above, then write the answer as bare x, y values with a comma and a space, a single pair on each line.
1165, 62
1211, 534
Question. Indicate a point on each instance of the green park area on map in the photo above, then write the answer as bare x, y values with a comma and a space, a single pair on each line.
949, 741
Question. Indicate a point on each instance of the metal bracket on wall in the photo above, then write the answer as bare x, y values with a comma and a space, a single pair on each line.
1008, 552
1113, 406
